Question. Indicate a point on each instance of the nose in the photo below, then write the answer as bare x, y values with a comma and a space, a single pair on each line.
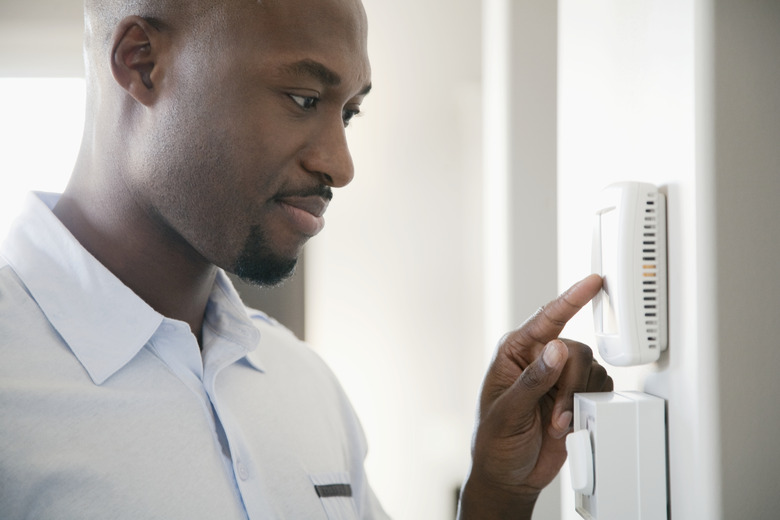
327, 156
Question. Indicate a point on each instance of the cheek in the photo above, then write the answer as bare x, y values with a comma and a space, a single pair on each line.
200, 196
221, 218
230, 196
228, 166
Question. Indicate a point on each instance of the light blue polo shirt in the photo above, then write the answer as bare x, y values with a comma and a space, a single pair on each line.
109, 410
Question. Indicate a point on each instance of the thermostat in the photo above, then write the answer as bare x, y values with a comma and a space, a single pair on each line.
629, 252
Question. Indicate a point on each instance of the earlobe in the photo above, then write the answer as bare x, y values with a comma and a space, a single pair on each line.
134, 59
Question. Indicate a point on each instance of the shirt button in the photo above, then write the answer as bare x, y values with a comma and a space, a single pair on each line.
243, 473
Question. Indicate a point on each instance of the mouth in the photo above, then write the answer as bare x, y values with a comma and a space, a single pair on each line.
305, 212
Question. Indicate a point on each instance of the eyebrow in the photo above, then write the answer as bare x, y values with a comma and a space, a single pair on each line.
319, 71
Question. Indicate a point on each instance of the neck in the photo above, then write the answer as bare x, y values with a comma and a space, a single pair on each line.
158, 265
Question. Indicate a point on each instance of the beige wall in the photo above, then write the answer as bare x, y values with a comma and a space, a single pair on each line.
41, 38
520, 101
394, 282
745, 174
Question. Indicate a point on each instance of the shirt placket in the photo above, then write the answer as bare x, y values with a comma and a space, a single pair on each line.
221, 354
175, 345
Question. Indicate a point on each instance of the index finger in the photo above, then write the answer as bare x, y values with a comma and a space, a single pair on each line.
548, 322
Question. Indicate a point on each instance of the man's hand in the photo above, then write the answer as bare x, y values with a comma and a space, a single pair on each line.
525, 409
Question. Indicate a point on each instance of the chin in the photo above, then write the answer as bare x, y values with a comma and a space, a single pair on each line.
258, 264
265, 272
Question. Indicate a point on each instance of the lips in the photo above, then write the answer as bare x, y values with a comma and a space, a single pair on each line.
312, 204
305, 212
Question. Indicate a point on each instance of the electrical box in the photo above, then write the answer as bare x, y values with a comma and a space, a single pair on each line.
617, 456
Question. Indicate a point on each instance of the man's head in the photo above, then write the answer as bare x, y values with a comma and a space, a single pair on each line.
221, 122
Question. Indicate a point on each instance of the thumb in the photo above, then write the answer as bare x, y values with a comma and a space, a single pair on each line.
538, 378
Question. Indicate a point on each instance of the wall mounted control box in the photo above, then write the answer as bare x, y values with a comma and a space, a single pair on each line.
617, 456
629, 252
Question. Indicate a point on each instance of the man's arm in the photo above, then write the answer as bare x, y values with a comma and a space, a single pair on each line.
525, 410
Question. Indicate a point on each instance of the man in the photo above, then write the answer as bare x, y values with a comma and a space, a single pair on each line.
134, 383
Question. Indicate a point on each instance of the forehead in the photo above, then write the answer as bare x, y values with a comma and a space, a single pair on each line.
332, 32
343, 16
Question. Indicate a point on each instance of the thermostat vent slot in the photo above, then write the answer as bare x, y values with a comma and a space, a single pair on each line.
650, 270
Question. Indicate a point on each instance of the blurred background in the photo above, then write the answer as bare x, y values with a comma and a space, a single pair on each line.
491, 127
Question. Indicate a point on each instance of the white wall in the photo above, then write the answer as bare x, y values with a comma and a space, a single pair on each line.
627, 88
685, 94
37, 112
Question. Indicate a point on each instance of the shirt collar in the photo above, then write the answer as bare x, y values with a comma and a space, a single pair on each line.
103, 321
227, 318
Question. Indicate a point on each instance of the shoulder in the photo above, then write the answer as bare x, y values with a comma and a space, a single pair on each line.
276, 340
265, 323
300, 378
281, 353
18, 310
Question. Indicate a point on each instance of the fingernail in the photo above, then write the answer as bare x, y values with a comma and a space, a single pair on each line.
552, 354
561, 425
564, 420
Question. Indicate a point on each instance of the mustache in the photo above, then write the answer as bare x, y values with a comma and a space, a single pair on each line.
319, 190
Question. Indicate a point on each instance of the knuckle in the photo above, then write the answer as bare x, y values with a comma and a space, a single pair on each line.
580, 356
580, 351
599, 379
532, 378
513, 346
550, 316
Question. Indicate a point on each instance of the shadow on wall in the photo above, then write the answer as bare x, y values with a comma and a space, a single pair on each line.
285, 302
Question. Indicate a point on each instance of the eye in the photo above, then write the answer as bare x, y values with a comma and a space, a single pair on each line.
347, 115
305, 102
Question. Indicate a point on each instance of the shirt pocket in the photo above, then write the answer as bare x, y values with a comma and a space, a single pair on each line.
335, 492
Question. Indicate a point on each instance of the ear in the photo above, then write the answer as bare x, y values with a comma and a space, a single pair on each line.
135, 58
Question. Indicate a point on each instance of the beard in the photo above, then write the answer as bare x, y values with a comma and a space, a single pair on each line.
258, 265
